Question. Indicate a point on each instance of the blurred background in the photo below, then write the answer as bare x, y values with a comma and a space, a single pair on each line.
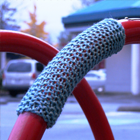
115, 80
58, 22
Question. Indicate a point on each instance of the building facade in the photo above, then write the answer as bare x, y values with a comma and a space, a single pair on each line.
123, 69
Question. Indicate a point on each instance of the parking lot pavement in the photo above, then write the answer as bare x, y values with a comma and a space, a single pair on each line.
125, 102
6, 98
72, 123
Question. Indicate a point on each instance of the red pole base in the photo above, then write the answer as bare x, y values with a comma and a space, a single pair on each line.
28, 126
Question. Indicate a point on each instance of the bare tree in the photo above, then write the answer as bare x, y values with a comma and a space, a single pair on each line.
88, 2
6, 22
64, 36
63, 39
6, 13
82, 4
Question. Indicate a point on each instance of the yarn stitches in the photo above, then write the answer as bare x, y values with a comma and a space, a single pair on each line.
46, 97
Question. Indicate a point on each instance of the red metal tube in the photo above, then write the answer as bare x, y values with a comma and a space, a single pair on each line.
43, 52
28, 126
132, 30
17, 42
93, 111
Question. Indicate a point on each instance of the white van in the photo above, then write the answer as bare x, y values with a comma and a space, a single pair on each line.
20, 74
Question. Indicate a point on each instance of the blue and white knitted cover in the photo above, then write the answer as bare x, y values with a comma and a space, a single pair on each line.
47, 96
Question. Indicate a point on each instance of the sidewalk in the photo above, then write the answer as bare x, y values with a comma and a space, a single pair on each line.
127, 102
125, 125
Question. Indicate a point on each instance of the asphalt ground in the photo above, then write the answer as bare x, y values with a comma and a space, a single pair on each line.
72, 123
128, 102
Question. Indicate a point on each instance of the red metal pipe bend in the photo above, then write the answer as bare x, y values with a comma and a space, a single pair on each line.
17, 42
43, 52
132, 30
27, 45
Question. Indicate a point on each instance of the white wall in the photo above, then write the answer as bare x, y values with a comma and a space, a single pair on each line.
77, 29
135, 69
3, 60
118, 68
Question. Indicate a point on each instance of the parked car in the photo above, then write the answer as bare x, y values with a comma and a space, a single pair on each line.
20, 74
96, 79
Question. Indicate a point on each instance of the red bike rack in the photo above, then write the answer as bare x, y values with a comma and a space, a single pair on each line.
27, 123
43, 52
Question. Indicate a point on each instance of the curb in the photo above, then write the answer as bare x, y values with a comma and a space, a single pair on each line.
71, 99
3, 101
129, 108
